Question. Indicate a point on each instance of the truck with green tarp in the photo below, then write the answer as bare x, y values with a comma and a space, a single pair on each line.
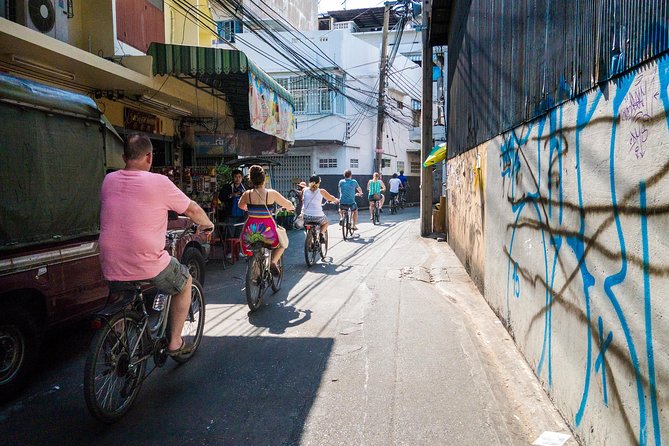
55, 148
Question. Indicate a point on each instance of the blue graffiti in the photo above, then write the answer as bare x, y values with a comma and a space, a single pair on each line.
601, 362
516, 281
577, 244
510, 167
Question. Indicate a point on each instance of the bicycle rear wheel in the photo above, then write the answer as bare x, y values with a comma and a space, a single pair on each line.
114, 373
393, 206
346, 224
276, 280
375, 214
255, 283
323, 245
194, 326
311, 247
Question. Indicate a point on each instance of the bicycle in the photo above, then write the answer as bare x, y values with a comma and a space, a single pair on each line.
402, 198
131, 334
258, 275
393, 205
314, 244
346, 221
375, 212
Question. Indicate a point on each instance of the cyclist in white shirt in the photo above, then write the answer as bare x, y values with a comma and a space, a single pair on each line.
312, 197
394, 185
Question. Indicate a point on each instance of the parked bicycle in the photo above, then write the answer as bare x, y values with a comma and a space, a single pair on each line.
315, 244
259, 277
132, 331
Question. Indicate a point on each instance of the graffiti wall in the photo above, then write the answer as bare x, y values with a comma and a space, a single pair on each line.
576, 242
466, 210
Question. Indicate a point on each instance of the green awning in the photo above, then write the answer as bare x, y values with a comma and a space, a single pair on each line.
227, 71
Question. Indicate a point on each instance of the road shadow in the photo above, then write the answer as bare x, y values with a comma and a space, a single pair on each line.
278, 317
236, 390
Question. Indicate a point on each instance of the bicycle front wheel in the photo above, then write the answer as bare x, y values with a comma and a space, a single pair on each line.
194, 326
114, 368
254, 281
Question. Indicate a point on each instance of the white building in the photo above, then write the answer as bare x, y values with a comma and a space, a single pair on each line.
337, 117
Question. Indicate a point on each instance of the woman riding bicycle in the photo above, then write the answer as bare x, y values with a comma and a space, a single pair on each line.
313, 204
260, 225
375, 188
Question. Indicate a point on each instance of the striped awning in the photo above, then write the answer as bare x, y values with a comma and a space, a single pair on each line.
252, 94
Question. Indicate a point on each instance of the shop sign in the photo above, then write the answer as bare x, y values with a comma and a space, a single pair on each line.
270, 113
212, 145
139, 120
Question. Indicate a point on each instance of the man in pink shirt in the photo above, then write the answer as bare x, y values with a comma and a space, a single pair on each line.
133, 222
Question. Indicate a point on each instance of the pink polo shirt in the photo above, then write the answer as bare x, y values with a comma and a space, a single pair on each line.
133, 222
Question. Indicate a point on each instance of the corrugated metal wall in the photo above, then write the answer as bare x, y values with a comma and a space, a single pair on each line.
512, 60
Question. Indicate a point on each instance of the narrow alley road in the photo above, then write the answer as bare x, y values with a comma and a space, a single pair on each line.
387, 342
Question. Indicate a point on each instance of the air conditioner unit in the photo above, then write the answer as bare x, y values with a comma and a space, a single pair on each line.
48, 17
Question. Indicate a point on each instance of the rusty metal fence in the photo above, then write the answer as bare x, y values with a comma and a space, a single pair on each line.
513, 60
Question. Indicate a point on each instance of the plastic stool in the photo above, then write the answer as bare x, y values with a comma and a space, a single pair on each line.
232, 247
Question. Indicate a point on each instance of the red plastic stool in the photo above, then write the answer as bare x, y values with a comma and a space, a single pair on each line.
232, 247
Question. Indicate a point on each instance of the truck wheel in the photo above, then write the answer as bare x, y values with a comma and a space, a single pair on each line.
194, 261
19, 348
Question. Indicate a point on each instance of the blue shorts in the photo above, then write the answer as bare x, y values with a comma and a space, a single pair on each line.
344, 206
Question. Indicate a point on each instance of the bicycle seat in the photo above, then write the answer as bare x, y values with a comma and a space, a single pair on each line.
257, 246
117, 286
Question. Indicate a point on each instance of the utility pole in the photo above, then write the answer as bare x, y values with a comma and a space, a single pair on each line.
383, 69
426, 123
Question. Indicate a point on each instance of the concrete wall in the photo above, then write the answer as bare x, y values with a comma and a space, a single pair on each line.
466, 210
577, 252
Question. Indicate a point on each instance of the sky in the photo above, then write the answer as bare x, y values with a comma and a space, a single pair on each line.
336, 5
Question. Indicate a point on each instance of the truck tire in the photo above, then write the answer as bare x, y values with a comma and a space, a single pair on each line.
19, 349
194, 261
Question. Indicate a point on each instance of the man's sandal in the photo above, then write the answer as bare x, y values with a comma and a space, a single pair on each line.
183, 350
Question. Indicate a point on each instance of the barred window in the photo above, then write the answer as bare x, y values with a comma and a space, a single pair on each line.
415, 166
400, 165
385, 162
327, 163
354, 163
316, 96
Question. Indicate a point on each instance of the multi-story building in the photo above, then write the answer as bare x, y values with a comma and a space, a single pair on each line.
333, 78
404, 38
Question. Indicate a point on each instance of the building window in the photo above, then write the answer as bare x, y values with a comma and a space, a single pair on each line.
227, 29
354, 163
415, 104
385, 162
327, 163
415, 166
316, 96
400, 165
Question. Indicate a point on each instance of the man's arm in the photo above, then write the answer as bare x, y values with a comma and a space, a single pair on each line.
199, 217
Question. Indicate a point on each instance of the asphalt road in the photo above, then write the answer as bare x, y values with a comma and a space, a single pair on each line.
387, 342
